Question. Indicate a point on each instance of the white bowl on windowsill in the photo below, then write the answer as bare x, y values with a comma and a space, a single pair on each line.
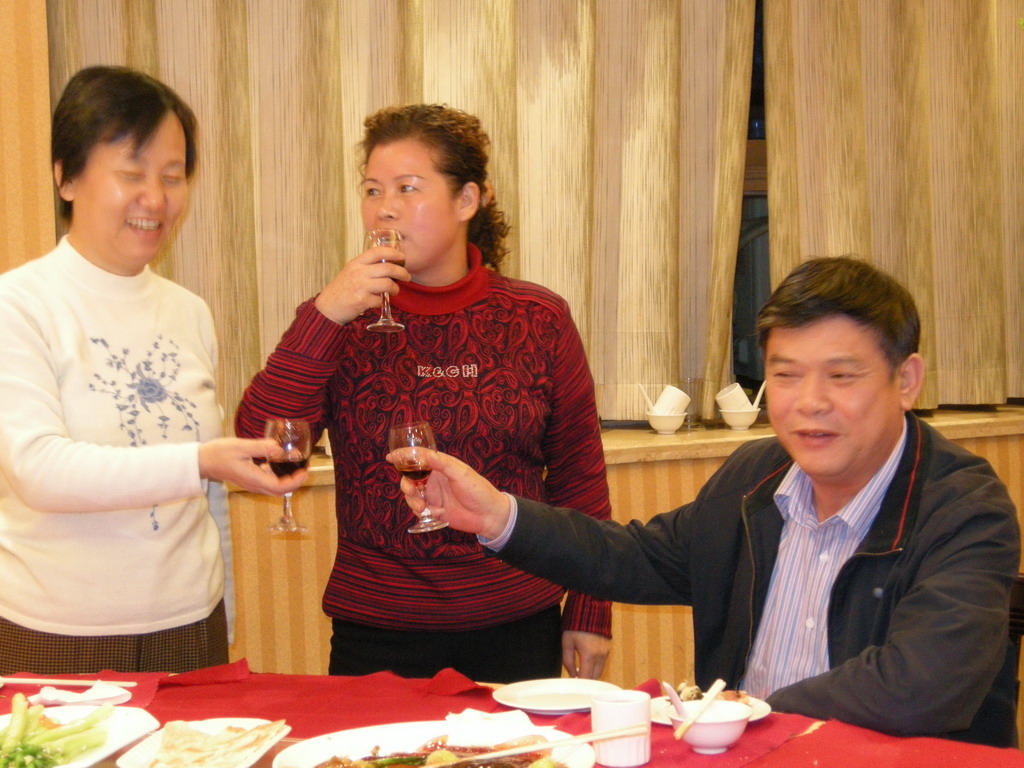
740, 419
665, 423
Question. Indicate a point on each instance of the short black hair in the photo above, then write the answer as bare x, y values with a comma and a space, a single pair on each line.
105, 104
842, 285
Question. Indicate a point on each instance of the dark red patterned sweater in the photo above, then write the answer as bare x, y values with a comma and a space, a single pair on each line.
497, 367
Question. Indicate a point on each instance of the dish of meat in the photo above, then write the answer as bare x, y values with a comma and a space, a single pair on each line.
382, 740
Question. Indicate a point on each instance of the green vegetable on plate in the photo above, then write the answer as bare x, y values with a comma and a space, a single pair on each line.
32, 740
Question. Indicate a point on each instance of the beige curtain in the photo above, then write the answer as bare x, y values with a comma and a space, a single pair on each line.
617, 129
26, 185
894, 134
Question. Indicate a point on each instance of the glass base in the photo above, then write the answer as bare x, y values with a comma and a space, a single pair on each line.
385, 325
285, 527
428, 524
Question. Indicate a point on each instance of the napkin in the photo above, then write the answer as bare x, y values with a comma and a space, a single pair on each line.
491, 727
447, 682
222, 673
503, 722
101, 693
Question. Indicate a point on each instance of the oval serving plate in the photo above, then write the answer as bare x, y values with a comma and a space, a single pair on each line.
552, 696
403, 737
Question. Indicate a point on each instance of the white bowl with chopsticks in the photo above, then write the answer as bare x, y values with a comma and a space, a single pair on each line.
717, 729
665, 423
740, 419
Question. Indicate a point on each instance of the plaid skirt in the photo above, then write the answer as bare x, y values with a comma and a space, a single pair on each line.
179, 649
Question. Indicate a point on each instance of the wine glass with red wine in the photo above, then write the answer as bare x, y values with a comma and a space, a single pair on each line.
294, 444
416, 436
388, 238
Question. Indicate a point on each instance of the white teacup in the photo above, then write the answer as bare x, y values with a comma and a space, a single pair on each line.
621, 709
671, 400
733, 398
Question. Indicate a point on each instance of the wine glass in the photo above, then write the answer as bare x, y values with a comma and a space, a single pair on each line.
390, 238
416, 435
294, 444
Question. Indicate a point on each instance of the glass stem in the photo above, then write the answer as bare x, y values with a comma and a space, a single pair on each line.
426, 514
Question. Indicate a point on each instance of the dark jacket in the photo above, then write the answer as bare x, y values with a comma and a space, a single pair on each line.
918, 638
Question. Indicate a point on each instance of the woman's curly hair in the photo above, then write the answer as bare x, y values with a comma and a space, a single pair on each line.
460, 148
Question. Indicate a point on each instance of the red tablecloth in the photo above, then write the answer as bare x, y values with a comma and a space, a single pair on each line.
839, 745
312, 704
316, 704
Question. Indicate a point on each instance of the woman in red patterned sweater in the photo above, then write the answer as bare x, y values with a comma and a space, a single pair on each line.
496, 365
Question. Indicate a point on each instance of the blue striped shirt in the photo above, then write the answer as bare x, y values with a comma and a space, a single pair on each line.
792, 639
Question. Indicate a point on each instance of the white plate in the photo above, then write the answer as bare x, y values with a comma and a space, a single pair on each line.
553, 696
661, 706
406, 737
125, 725
142, 754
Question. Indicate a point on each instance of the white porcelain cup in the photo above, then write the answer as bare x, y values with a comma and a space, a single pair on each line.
621, 709
733, 398
671, 400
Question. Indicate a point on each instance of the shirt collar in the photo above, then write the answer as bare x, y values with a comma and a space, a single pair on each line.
443, 299
795, 498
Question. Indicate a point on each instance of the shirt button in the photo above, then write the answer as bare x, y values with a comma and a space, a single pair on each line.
823, 557
809, 623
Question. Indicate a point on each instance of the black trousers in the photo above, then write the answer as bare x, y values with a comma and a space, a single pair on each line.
526, 649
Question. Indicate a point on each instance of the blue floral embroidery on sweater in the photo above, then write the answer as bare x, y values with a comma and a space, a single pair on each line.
143, 393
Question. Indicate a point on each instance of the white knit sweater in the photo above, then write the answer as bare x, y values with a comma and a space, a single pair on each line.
106, 391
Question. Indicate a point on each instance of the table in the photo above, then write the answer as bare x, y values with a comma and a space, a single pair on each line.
315, 704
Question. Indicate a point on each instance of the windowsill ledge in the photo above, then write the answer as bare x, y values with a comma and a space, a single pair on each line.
630, 446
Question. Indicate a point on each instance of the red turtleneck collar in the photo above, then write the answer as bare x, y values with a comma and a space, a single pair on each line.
441, 300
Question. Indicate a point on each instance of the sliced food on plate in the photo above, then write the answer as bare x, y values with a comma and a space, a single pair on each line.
217, 743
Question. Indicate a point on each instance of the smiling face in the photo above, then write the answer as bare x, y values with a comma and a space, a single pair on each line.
127, 199
403, 190
836, 404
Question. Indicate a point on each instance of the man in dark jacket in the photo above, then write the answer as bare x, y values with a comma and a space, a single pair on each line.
857, 566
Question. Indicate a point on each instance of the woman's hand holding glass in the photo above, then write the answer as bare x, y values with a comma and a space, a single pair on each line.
230, 459
386, 239
289, 453
362, 283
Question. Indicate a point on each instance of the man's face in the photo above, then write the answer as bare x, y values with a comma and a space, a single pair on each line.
835, 403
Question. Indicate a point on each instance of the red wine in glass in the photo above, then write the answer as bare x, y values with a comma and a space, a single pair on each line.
415, 472
294, 444
416, 436
285, 467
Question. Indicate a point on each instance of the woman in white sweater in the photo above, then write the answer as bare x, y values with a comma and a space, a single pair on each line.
112, 533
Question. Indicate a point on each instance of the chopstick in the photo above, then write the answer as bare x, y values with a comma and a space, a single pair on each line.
633, 730
716, 688
62, 681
